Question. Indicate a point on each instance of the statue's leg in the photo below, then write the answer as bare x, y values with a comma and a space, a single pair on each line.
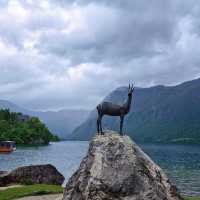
101, 125
121, 124
98, 124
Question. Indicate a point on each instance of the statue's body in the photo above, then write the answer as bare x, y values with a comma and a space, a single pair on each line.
108, 108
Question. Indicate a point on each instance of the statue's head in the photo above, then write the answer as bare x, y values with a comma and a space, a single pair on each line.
130, 90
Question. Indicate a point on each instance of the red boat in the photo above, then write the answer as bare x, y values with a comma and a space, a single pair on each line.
7, 146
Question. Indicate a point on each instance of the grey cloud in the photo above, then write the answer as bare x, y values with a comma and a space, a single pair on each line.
115, 33
63, 50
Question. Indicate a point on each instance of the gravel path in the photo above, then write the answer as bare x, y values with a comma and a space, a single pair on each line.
10, 186
44, 197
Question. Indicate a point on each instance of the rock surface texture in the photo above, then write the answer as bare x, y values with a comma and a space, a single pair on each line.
46, 174
115, 168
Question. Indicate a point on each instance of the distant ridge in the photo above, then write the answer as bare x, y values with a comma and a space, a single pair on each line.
61, 122
158, 114
13, 107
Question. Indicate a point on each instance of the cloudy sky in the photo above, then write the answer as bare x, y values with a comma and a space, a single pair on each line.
71, 53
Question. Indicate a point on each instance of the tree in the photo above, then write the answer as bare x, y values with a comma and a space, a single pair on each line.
29, 131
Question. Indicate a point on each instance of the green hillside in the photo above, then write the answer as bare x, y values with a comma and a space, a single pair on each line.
61, 122
23, 129
158, 114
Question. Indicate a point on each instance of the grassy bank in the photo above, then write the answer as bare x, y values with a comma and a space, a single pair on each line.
29, 190
40, 189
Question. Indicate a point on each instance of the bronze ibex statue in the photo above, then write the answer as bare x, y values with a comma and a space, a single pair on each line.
108, 108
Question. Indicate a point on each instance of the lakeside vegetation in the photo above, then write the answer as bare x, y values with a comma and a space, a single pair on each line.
23, 129
29, 190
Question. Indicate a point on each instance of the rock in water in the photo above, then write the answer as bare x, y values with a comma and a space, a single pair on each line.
115, 168
33, 174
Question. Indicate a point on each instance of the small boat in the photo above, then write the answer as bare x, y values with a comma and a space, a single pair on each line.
7, 146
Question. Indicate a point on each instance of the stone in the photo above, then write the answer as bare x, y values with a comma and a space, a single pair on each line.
3, 173
115, 168
33, 174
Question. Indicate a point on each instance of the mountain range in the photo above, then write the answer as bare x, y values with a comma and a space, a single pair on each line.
61, 122
158, 114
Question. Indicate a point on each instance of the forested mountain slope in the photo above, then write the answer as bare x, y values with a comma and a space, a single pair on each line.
158, 114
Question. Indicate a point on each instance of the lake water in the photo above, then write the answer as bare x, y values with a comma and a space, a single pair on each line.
180, 162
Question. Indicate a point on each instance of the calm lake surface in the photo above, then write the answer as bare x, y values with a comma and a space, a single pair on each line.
180, 162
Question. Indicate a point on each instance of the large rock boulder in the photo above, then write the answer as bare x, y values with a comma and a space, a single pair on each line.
34, 174
115, 168
2, 173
